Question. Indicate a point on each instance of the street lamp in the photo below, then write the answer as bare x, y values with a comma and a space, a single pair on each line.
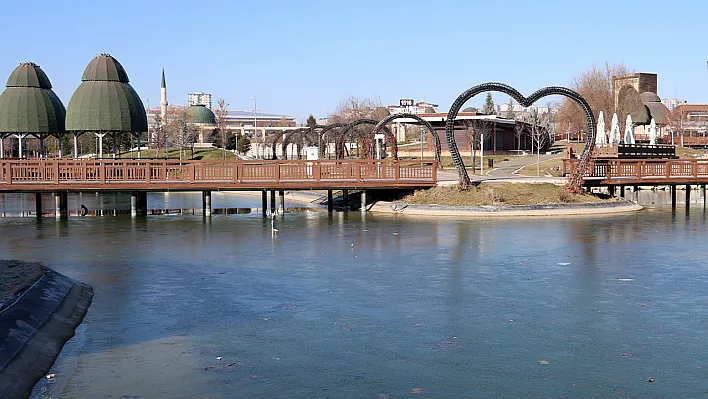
255, 121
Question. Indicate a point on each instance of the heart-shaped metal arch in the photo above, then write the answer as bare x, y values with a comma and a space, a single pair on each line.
525, 102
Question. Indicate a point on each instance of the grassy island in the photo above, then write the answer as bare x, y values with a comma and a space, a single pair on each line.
499, 194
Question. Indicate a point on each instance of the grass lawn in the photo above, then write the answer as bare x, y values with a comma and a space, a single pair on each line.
689, 153
173, 153
551, 167
446, 160
499, 194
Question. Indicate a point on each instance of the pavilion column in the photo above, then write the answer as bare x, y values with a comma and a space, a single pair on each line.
76, 146
2, 147
41, 147
60, 144
115, 138
100, 144
138, 137
19, 140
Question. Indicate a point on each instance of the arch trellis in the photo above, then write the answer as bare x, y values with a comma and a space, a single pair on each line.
436, 138
289, 135
330, 129
576, 180
368, 137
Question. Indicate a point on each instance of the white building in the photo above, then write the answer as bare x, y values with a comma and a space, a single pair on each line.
672, 103
420, 107
199, 98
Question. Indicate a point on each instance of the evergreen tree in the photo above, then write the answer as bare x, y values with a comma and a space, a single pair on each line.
311, 122
244, 144
510, 114
488, 107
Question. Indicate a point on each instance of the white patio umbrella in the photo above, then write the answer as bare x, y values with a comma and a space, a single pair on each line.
628, 131
652, 132
614, 131
600, 136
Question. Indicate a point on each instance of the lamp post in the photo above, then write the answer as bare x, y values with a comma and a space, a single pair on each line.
255, 121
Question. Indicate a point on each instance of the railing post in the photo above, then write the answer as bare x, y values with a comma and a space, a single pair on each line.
435, 171
148, 172
357, 172
192, 171
8, 176
317, 171
668, 169
56, 172
236, 174
277, 173
102, 171
397, 171
694, 168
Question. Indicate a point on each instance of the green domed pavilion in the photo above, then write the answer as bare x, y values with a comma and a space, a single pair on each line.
105, 103
29, 107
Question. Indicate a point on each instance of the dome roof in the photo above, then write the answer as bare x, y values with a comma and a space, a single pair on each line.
470, 109
29, 74
659, 112
649, 97
429, 110
105, 101
104, 67
28, 105
630, 104
200, 114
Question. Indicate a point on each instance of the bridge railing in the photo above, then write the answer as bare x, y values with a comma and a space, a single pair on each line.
150, 172
643, 169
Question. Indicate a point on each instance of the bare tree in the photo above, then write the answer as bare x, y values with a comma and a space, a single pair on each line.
475, 130
182, 131
221, 113
540, 128
157, 135
354, 108
595, 85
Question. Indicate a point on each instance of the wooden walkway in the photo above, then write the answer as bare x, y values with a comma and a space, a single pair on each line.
36, 175
643, 172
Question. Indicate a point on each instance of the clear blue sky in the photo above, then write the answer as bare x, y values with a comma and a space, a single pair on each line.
302, 57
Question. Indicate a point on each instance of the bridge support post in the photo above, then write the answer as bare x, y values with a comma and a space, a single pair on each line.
281, 197
611, 191
673, 196
345, 198
363, 200
703, 194
688, 194
138, 203
264, 202
206, 203
622, 191
635, 193
38, 204
272, 201
329, 201
61, 204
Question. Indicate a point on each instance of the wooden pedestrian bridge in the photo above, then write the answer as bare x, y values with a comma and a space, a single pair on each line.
618, 172
61, 176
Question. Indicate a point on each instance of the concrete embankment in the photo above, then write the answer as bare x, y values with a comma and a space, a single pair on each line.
590, 208
34, 328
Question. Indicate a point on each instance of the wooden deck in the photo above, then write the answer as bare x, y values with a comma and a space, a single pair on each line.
643, 172
160, 175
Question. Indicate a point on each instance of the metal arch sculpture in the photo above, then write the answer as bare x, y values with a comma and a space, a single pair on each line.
326, 129
277, 137
390, 138
436, 138
302, 137
576, 180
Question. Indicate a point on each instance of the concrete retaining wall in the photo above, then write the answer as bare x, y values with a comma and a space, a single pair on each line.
34, 329
486, 211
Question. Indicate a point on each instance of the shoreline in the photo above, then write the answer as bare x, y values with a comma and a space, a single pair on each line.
35, 327
540, 210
